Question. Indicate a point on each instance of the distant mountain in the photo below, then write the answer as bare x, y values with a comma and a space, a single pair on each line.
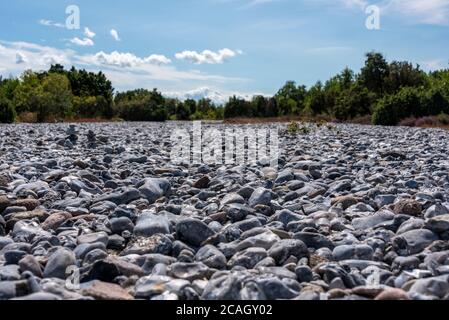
218, 97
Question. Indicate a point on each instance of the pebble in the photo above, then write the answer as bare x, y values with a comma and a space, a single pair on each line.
344, 208
58, 264
148, 225
193, 231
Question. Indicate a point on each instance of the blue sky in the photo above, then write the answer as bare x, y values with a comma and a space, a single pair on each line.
252, 46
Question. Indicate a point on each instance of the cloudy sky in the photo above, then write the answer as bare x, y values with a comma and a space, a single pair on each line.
241, 46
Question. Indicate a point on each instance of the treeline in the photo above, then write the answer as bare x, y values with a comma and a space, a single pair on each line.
56, 95
59, 94
145, 105
384, 92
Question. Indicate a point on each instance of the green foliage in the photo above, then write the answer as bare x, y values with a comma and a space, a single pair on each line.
56, 100
387, 92
290, 99
88, 84
29, 93
375, 72
141, 105
237, 107
403, 74
259, 106
385, 113
7, 112
7, 87
145, 105
408, 102
437, 101
293, 127
316, 99
353, 102
182, 111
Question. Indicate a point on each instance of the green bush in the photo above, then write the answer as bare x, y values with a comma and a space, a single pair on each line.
408, 102
437, 102
7, 112
354, 102
293, 128
385, 113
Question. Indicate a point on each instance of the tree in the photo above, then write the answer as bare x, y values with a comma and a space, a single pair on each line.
408, 102
316, 99
8, 86
7, 112
237, 107
375, 72
346, 79
28, 95
272, 108
404, 74
89, 84
56, 98
190, 105
353, 102
182, 111
259, 106
290, 98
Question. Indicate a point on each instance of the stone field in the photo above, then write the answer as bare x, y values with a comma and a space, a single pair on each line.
99, 211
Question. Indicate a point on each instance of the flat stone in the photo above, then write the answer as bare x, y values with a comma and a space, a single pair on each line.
211, 257
345, 201
55, 220
414, 241
248, 258
58, 263
153, 189
314, 240
193, 231
438, 224
101, 237
106, 291
260, 196
149, 224
202, 183
284, 249
392, 294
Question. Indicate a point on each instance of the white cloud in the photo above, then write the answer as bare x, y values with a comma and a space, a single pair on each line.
125, 70
208, 56
115, 35
49, 23
125, 60
157, 59
15, 57
86, 42
20, 58
88, 33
